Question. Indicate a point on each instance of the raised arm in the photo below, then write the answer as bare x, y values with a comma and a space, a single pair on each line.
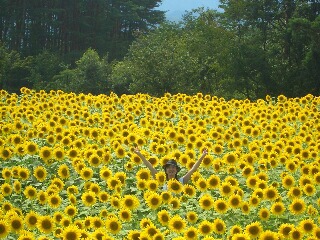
146, 162
187, 177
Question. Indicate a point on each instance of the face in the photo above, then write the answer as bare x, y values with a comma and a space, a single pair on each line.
171, 171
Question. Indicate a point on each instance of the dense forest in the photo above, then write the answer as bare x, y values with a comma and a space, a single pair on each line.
250, 49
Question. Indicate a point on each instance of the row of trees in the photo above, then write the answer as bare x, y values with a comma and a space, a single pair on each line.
252, 48
70, 27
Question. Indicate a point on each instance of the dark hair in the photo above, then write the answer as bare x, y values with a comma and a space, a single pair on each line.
173, 163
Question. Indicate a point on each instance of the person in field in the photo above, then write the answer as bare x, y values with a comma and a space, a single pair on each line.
171, 168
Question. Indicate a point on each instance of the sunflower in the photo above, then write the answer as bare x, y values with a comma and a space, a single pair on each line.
226, 189
4, 228
213, 181
30, 192
79, 223
240, 236
63, 171
268, 235
254, 229
5, 153
70, 210
42, 197
65, 221
54, 200
219, 226
40, 173
120, 152
26, 235
145, 222
125, 214
163, 217
252, 181
31, 148
307, 226
113, 225
71, 232
296, 234
88, 198
294, 192
151, 230
72, 189
16, 223
6, 189
45, 224
190, 233
160, 177
121, 176
189, 190
103, 196
6, 173
297, 206
309, 189
174, 203
94, 187
94, 160
177, 224
105, 173
206, 202
96, 222
316, 233
86, 173
152, 185
141, 184
221, 206
288, 181
166, 196
133, 235
231, 158
58, 183
234, 201
154, 200
205, 227
285, 229
192, 217
175, 186
235, 229
45, 153
201, 184
87, 222
31, 219
270, 193
58, 153
115, 201
17, 186
304, 179
143, 174
316, 178
247, 171
23, 173
130, 202
264, 214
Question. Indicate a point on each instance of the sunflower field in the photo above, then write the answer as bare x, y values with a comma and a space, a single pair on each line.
68, 169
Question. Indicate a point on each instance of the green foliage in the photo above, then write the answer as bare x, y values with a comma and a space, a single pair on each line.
71, 27
90, 75
174, 58
14, 70
44, 67
251, 49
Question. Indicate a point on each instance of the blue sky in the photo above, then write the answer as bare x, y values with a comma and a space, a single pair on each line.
176, 8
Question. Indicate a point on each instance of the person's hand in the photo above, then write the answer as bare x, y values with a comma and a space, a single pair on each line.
205, 152
136, 149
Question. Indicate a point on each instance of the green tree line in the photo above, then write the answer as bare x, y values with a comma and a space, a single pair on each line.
248, 50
